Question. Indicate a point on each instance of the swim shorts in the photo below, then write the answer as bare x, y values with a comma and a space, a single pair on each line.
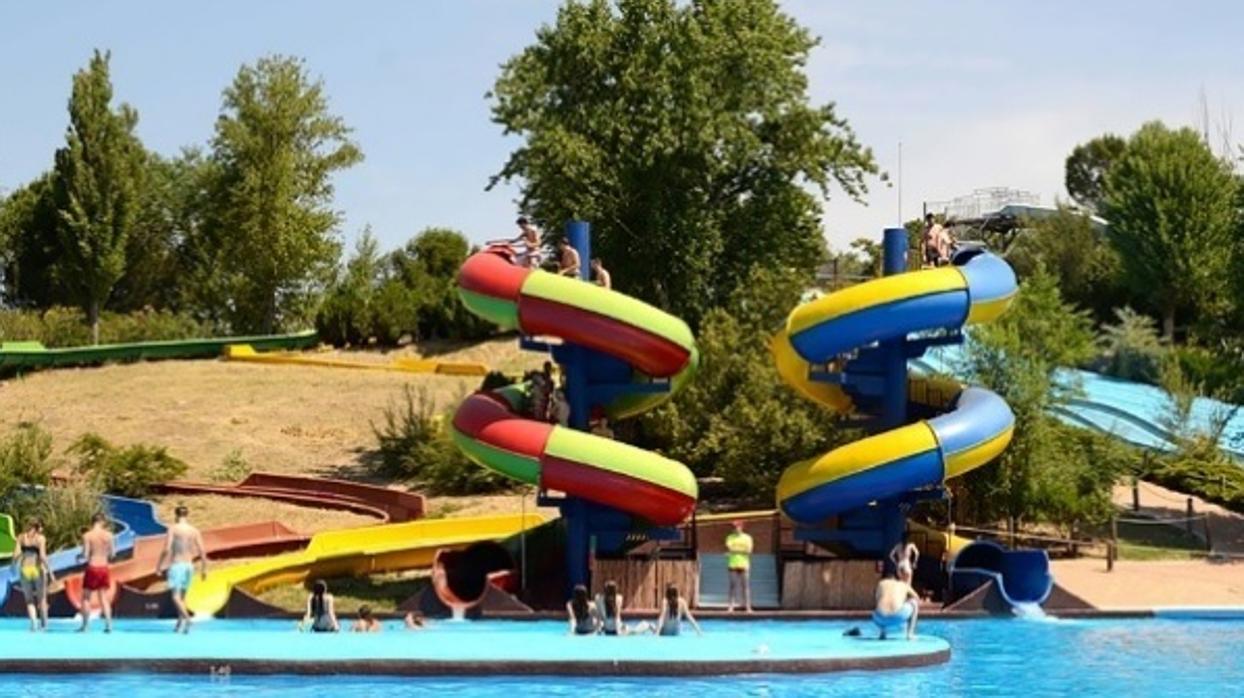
897, 619
96, 578
32, 580
179, 576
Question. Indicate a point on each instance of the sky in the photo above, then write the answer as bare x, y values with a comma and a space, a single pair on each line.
980, 94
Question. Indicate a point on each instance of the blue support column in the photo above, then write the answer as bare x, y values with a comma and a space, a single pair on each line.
574, 363
894, 395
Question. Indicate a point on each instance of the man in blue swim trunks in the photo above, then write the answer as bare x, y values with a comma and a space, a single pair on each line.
897, 605
183, 545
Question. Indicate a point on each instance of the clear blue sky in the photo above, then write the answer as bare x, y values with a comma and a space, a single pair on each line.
980, 93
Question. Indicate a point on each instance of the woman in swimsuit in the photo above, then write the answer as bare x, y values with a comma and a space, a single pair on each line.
673, 611
583, 614
33, 573
321, 614
609, 603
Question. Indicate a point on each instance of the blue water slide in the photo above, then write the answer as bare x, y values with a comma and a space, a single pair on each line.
131, 519
1021, 577
1133, 412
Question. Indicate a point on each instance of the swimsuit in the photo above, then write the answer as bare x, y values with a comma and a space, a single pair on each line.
96, 578
30, 573
179, 576
897, 619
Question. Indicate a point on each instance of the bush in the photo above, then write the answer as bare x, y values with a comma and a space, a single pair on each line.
66, 511
1131, 348
66, 327
414, 444
234, 468
132, 471
26, 458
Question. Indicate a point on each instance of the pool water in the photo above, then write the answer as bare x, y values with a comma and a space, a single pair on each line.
990, 658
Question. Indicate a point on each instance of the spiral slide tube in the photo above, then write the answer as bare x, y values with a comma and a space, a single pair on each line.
632, 342
974, 427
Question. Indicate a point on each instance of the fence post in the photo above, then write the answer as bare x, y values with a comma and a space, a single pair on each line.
1188, 520
1209, 543
1135, 493
1112, 548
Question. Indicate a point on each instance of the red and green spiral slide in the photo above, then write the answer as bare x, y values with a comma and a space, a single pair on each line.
632, 342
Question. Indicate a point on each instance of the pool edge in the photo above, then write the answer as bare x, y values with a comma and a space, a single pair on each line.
415, 667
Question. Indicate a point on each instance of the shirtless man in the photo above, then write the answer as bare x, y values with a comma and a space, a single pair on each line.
183, 544
528, 242
98, 549
568, 265
897, 605
600, 274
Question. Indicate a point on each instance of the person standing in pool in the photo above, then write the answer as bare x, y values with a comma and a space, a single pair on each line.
321, 615
583, 615
673, 612
33, 573
898, 606
738, 565
182, 546
97, 548
366, 622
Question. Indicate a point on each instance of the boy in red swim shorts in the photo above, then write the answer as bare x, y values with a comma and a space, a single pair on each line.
98, 549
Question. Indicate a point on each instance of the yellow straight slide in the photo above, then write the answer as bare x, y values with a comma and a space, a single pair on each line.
355, 552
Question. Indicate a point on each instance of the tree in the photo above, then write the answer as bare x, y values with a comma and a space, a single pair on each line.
273, 156
28, 224
737, 420
1016, 357
1171, 207
1131, 348
1086, 168
683, 131
1068, 245
428, 265
97, 183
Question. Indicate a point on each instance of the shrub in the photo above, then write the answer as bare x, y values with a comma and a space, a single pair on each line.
234, 468
414, 444
66, 327
26, 458
65, 511
132, 471
1131, 348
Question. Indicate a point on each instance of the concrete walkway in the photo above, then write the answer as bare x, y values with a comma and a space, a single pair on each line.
1135, 585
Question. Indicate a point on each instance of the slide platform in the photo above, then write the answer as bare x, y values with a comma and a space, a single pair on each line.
973, 426
354, 552
629, 342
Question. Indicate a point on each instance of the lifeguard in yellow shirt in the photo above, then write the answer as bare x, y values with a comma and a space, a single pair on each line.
738, 564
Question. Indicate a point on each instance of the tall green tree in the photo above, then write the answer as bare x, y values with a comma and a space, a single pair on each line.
97, 182
28, 236
1016, 357
272, 225
1069, 246
1172, 212
1084, 173
684, 132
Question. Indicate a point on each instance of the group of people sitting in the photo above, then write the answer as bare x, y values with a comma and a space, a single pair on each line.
603, 616
182, 547
529, 251
321, 615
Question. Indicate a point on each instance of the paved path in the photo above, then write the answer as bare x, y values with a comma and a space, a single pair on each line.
1149, 584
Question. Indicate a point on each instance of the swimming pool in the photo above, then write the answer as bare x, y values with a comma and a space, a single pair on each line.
989, 658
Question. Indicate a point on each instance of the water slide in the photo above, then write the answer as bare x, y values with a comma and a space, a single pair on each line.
629, 342
341, 495
974, 424
355, 552
1134, 412
1020, 578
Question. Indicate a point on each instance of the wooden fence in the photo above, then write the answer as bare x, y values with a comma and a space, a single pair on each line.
642, 582
829, 584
